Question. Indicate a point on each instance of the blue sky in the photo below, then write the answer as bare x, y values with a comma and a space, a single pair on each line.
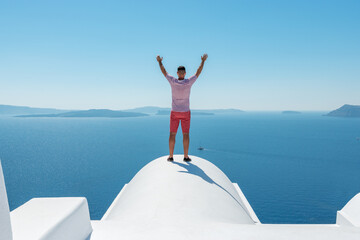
262, 55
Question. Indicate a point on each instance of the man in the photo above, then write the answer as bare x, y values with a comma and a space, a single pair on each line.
180, 110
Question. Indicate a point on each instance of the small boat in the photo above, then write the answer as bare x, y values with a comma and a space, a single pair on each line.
200, 148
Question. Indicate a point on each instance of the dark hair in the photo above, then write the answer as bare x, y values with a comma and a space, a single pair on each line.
181, 68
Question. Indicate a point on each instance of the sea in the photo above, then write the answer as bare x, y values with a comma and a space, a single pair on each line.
292, 168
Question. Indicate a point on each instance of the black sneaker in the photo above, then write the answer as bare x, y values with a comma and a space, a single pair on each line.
170, 159
187, 159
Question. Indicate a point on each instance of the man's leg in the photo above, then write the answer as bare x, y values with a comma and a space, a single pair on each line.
174, 124
186, 141
185, 125
172, 143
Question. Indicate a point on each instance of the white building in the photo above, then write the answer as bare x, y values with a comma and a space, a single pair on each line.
165, 200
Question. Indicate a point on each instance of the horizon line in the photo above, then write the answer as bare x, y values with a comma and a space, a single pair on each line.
249, 110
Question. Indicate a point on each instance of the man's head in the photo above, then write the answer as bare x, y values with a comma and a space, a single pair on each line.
181, 72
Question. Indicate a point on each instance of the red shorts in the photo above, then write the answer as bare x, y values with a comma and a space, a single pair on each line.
175, 118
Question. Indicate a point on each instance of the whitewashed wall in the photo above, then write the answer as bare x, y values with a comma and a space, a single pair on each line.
5, 224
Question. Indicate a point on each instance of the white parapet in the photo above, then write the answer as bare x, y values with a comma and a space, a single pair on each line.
349, 215
5, 224
57, 218
246, 204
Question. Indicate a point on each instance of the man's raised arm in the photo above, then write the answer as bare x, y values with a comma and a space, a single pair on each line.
203, 59
161, 65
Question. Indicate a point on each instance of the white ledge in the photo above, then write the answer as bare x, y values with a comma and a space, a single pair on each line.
52, 218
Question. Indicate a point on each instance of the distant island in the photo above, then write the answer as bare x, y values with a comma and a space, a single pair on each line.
152, 110
25, 111
347, 111
90, 113
13, 110
290, 112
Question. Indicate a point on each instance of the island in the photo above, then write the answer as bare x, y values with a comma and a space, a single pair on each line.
16, 110
25, 111
151, 110
90, 113
346, 111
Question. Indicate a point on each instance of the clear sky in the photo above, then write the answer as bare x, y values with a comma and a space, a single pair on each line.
262, 55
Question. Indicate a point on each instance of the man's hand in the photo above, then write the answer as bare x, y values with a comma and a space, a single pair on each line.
158, 58
204, 57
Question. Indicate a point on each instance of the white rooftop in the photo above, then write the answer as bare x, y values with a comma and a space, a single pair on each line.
170, 200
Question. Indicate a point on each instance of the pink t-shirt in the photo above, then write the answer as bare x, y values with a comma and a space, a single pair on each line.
180, 92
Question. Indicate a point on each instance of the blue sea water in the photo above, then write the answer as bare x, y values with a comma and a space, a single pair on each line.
293, 168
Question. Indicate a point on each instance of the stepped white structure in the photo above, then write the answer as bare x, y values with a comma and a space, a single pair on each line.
165, 200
